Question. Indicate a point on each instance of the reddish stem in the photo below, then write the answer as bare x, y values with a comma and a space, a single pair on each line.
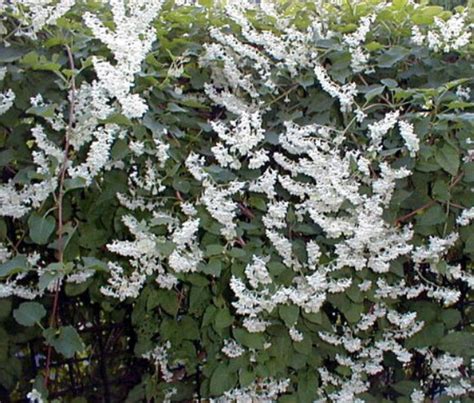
59, 203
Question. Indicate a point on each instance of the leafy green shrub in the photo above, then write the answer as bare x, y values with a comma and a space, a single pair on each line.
239, 202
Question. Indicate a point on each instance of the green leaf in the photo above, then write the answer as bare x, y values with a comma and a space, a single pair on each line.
389, 82
441, 190
118, 119
246, 377
213, 250
168, 300
372, 93
289, 314
213, 267
65, 340
451, 317
41, 228
29, 313
54, 272
172, 107
74, 183
406, 387
448, 158
304, 346
165, 247
223, 319
251, 340
426, 337
16, 265
353, 312
432, 216
10, 53
392, 56
181, 185
425, 15
222, 380
5, 308
43, 111
458, 343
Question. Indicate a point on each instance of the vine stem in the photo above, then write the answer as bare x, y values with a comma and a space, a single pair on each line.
59, 206
454, 182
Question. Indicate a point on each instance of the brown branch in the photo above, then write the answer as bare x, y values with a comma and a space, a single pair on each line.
414, 212
59, 204
454, 182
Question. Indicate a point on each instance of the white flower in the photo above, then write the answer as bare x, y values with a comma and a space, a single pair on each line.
232, 349
263, 390
354, 40
137, 147
133, 30
34, 396
445, 36
296, 335
463, 93
466, 217
6, 100
416, 36
345, 93
194, 163
35, 14
435, 250
447, 365
379, 129
257, 272
411, 140
254, 325
159, 356
98, 155
221, 206
258, 159
3, 71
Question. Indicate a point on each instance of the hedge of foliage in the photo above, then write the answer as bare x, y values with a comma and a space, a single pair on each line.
236, 202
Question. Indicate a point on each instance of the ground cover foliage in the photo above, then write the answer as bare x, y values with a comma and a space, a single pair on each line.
269, 202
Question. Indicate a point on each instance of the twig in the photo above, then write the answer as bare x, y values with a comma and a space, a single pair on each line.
59, 203
287, 92
414, 212
454, 182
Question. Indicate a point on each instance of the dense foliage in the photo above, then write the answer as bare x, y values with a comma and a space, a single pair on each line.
239, 202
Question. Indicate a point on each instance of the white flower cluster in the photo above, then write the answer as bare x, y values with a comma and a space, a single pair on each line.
435, 250
98, 155
34, 396
6, 100
343, 192
232, 349
17, 199
445, 36
463, 93
257, 272
132, 31
411, 140
264, 390
239, 139
450, 371
220, 205
379, 129
151, 255
36, 14
292, 49
466, 217
21, 284
338, 191
359, 58
159, 355
345, 93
